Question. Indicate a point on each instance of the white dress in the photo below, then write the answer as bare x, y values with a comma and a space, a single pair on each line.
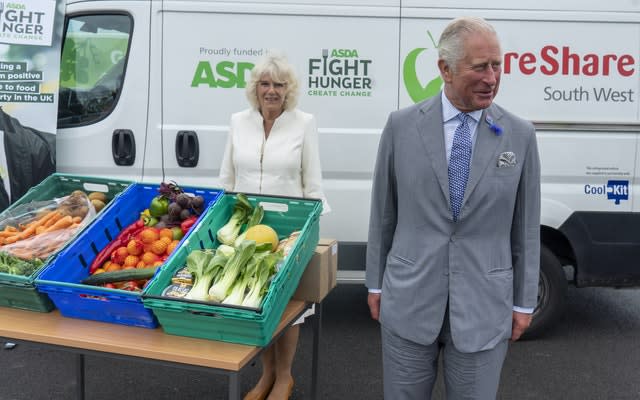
287, 163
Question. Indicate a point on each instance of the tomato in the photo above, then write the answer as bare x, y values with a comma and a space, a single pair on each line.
188, 223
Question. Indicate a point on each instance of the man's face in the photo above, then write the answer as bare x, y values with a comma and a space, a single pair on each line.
474, 83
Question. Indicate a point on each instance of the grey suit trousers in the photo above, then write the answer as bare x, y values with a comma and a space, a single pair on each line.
410, 369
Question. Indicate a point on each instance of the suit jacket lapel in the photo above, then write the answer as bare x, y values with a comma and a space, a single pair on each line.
431, 131
484, 151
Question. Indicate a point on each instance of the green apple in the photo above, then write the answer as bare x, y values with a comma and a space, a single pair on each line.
177, 233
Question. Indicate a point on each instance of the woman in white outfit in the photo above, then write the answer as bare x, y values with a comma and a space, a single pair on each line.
272, 149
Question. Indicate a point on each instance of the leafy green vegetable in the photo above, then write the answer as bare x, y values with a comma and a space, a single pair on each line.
17, 266
242, 210
246, 277
232, 270
261, 280
254, 219
198, 263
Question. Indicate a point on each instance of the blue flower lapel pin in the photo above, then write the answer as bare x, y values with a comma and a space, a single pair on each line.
495, 128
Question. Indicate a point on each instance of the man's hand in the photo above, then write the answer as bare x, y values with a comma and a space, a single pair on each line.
521, 322
374, 305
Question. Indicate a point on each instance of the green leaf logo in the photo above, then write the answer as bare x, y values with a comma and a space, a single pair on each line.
416, 91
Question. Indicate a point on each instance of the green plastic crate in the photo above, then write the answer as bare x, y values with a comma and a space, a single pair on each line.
230, 323
20, 291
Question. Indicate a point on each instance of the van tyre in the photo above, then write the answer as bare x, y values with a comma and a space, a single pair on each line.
552, 290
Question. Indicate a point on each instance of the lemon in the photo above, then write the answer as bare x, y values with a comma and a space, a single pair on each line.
262, 234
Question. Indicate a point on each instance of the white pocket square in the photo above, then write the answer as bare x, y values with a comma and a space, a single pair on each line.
507, 159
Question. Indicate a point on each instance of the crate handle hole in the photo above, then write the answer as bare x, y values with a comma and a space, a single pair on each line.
206, 314
95, 187
279, 207
94, 297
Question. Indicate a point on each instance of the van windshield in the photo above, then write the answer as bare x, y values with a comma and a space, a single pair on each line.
92, 67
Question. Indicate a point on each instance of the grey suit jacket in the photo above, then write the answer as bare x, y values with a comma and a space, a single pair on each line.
485, 263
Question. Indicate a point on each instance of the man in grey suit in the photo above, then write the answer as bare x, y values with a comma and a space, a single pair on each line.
454, 235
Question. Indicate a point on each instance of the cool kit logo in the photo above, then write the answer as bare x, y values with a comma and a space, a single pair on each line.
416, 90
615, 190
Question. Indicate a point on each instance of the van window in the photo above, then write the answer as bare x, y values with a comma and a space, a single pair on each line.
92, 67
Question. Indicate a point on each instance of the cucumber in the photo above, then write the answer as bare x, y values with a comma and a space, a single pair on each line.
133, 274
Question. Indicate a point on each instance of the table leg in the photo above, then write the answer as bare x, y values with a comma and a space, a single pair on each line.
234, 386
316, 325
80, 376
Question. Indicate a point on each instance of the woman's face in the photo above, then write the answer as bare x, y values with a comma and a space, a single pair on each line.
271, 95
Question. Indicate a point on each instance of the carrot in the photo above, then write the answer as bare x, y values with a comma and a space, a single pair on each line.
43, 220
30, 231
62, 223
5, 234
10, 228
57, 215
39, 221
11, 239
77, 220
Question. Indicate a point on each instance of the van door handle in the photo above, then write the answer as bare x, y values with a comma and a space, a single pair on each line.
187, 149
123, 147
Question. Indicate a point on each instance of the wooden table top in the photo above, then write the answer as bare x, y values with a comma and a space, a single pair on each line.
52, 328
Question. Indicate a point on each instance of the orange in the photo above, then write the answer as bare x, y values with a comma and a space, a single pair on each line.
166, 232
149, 258
113, 267
135, 247
119, 255
159, 247
131, 261
149, 235
172, 246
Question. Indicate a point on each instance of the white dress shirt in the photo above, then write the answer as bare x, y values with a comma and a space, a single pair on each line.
451, 122
287, 163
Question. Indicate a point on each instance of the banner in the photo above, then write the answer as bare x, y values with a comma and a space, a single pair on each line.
30, 40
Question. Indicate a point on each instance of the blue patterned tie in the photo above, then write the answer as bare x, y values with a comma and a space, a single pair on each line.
459, 164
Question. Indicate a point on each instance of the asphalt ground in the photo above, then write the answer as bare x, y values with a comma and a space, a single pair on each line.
594, 353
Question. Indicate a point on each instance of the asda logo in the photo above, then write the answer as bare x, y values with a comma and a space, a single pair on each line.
416, 89
339, 73
225, 74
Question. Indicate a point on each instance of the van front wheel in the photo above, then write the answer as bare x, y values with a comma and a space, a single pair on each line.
552, 289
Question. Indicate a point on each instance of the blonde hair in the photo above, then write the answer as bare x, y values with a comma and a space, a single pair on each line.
278, 69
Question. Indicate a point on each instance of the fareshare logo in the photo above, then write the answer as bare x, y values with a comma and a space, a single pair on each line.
416, 90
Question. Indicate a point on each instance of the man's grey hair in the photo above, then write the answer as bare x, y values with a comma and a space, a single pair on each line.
451, 44
275, 66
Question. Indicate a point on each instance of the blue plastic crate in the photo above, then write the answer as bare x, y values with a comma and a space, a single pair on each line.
60, 280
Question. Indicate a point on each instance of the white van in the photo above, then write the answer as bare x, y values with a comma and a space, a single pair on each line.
147, 89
